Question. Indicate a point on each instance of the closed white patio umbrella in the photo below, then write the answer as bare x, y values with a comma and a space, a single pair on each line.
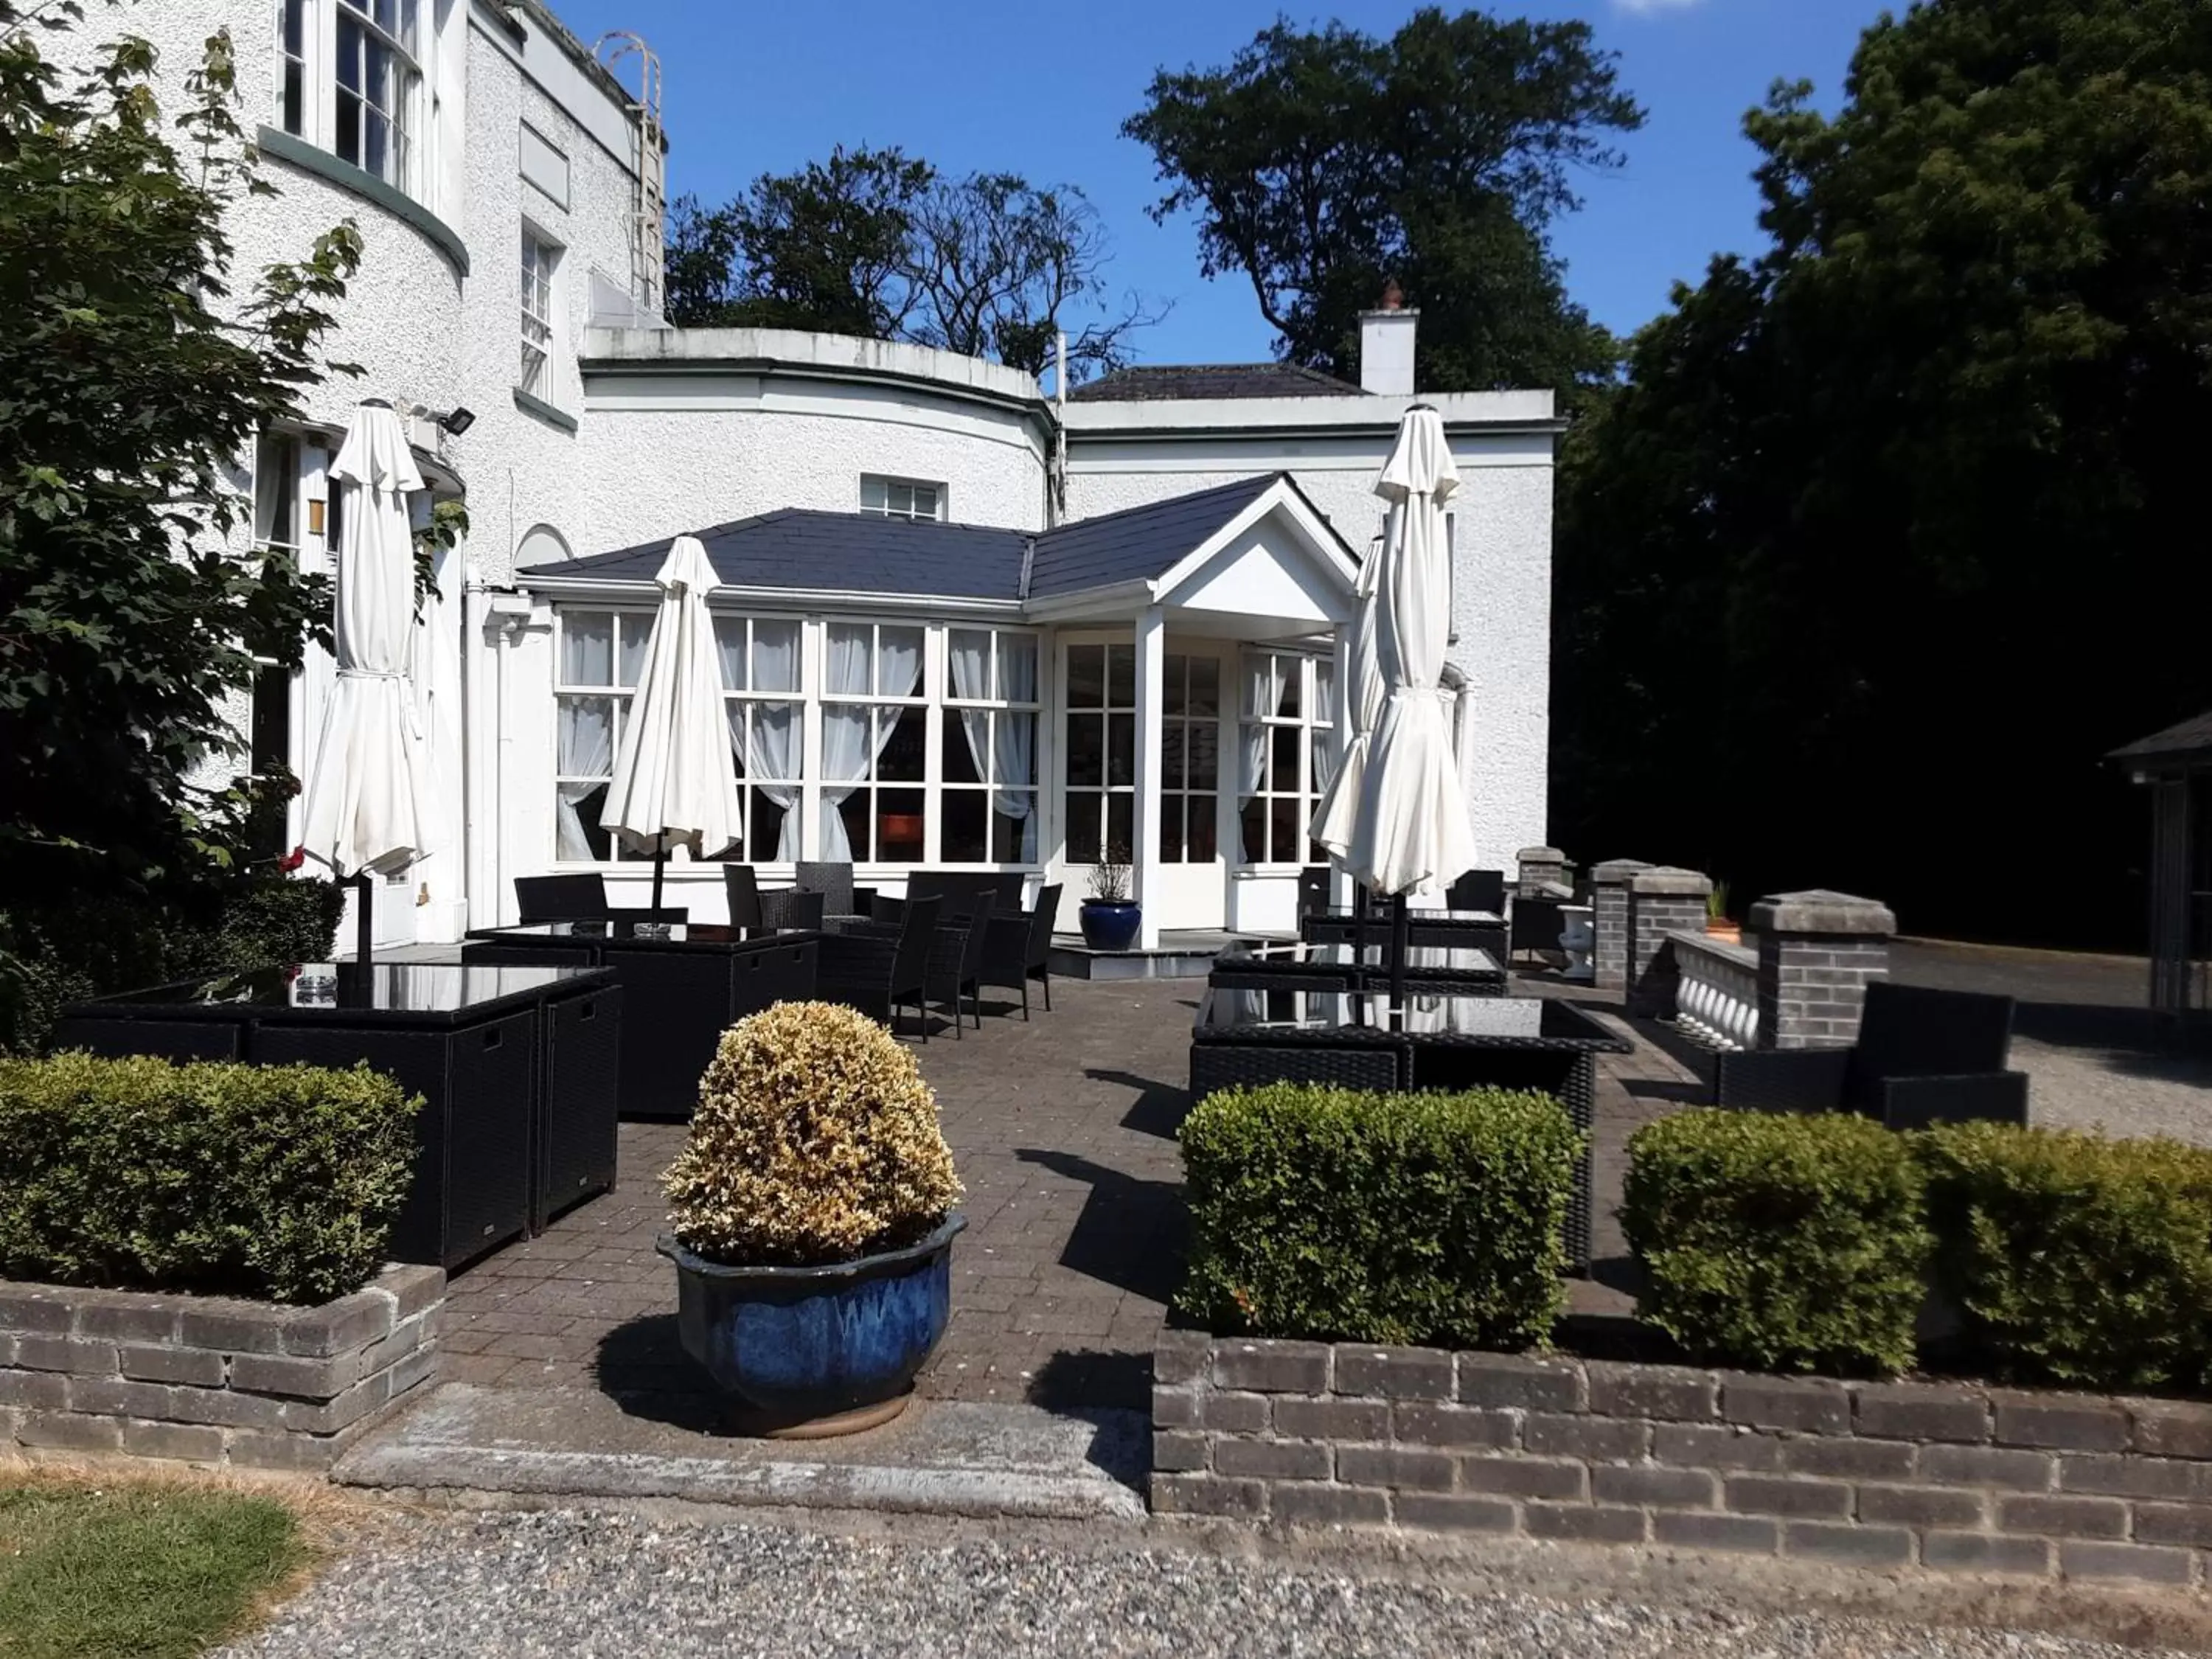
674, 782
369, 809
1412, 833
1336, 815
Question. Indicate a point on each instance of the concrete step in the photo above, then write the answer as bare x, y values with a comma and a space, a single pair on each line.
939, 1457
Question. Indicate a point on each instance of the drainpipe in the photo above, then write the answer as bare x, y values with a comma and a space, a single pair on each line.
1057, 487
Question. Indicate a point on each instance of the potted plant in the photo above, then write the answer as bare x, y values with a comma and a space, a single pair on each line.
1110, 917
810, 1222
1717, 925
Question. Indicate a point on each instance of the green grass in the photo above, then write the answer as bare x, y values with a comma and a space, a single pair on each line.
147, 1572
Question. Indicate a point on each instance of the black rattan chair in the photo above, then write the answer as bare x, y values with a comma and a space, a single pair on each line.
834, 881
1479, 890
578, 898
955, 963
743, 886
1313, 890
1018, 948
1923, 1056
879, 970
791, 906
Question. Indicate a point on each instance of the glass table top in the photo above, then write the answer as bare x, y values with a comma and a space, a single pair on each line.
1373, 955
643, 932
1256, 1014
387, 988
1378, 916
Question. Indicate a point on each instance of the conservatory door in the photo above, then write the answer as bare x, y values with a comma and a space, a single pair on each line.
1193, 872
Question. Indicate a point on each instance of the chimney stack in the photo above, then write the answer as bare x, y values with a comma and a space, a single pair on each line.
1386, 345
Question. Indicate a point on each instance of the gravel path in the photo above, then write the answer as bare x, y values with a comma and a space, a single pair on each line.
578, 1584
2121, 1091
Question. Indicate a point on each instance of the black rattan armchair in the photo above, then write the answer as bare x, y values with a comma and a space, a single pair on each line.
1020, 948
879, 970
1923, 1056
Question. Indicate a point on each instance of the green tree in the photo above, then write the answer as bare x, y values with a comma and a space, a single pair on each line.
131, 380
878, 244
1895, 529
1322, 163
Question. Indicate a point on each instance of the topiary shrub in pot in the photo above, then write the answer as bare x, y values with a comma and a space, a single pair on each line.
812, 1221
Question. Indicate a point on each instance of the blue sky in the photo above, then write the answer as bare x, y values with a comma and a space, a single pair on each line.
1042, 89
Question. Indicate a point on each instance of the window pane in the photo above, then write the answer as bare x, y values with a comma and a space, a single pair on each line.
1014, 747
847, 742
579, 836
1120, 812
1171, 828
348, 133
1017, 667
904, 734
730, 651
636, 629
1013, 839
289, 18
1283, 816
965, 832
1086, 749
1203, 763
1083, 810
1287, 680
1285, 740
766, 819
775, 656
1174, 685
588, 648
1201, 844
873, 496
349, 53
925, 500
1205, 686
852, 647
965, 730
1121, 676
899, 826
1122, 749
294, 99
857, 810
899, 662
968, 658
1253, 827
1324, 693
1086, 675
1172, 735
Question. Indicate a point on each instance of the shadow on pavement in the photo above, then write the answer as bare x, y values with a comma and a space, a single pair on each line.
1130, 1232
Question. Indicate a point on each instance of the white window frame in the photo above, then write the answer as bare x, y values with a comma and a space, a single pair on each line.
1078, 798
750, 797
923, 698
885, 497
539, 275
999, 706
932, 696
1315, 732
306, 38
1176, 786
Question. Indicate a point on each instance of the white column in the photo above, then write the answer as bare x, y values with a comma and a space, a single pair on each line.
1145, 832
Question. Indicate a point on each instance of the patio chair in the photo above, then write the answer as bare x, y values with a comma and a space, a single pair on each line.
833, 879
1923, 1056
1479, 890
1313, 890
1536, 926
878, 971
792, 907
578, 898
743, 886
1018, 948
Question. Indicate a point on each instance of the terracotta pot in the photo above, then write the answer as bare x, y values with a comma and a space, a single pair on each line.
1720, 927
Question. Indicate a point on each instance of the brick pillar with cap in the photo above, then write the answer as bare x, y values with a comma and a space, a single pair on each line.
1661, 901
1540, 867
1609, 918
1818, 951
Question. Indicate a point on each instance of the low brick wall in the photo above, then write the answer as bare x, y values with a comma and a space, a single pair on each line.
210, 1380
1944, 1478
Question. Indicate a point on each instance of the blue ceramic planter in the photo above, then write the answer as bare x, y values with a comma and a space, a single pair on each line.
1110, 925
816, 1350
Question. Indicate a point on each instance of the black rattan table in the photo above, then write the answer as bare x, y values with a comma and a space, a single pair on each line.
1358, 1040
1436, 969
684, 990
515, 1064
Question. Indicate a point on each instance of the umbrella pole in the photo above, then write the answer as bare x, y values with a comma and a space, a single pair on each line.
660, 864
364, 927
1400, 945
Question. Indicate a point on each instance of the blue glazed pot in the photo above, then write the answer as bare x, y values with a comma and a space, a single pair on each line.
1110, 924
815, 1350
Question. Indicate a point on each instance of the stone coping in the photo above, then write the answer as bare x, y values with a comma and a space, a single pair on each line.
1670, 880
1617, 872
1821, 912
1910, 1477
1745, 957
214, 1380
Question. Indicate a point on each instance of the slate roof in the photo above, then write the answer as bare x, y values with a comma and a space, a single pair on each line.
2190, 741
862, 553
1137, 542
1148, 382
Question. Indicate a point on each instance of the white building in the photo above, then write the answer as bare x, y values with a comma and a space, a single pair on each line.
966, 624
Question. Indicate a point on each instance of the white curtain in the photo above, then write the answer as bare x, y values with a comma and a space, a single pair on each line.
1324, 737
1014, 747
1252, 756
848, 750
764, 736
587, 747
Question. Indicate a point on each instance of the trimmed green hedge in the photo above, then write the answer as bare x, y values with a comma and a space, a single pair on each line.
94, 946
1778, 1243
1346, 1216
2073, 1258
279, 1181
